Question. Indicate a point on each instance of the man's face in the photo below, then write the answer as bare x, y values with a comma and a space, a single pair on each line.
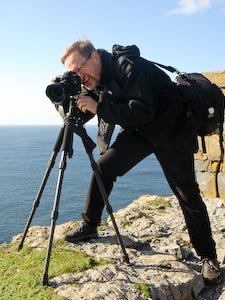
88, 68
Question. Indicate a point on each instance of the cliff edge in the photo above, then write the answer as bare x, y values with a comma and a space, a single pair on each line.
161, 256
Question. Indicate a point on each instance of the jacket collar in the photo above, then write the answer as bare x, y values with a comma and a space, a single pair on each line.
106, 59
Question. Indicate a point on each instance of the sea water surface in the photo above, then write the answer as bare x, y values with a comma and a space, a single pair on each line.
24, 154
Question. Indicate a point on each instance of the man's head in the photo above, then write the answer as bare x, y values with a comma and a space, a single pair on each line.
82, 58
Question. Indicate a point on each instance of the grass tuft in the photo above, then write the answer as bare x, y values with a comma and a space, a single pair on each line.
144, 290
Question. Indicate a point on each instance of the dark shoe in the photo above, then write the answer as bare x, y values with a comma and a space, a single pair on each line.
210, 271
81, 232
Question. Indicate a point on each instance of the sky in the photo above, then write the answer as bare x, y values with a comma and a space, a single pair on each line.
186, 34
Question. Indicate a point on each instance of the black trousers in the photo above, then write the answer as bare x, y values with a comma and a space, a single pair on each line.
129, 149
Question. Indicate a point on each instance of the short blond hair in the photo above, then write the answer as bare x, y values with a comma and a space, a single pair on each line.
83, 47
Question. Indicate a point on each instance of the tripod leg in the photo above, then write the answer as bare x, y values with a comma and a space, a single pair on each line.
54, 215
89, 145
107, 204
42, 186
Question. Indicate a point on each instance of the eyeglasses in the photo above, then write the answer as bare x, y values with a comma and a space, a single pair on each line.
84, 63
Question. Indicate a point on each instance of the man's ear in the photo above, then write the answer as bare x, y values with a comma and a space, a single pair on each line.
96, 56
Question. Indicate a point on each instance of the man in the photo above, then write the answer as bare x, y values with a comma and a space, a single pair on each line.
125, 89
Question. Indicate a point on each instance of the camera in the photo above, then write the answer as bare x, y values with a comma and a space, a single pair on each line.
67, 85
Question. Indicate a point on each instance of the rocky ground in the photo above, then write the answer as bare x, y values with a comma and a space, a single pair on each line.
160, 255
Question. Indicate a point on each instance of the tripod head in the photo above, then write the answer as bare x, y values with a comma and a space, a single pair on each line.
75, 123
73, 113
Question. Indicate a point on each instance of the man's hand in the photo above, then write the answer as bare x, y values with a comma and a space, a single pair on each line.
86, 103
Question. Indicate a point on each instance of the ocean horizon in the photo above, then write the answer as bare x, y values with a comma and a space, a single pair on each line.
24, 154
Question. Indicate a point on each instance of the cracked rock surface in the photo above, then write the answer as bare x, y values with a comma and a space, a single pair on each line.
160, 254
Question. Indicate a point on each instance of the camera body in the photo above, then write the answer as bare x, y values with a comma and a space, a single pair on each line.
64, 87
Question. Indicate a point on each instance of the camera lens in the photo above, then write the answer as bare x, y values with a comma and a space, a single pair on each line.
55, 93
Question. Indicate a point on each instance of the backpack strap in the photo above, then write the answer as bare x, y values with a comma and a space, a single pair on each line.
168, 68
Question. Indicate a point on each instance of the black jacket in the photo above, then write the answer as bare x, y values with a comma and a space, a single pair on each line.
137, 95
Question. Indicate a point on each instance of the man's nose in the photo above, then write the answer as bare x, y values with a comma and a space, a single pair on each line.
80, 75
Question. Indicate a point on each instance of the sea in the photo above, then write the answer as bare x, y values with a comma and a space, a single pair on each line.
24, 155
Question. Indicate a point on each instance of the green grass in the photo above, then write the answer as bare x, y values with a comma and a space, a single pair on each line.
21, 272
158, 202
144, 289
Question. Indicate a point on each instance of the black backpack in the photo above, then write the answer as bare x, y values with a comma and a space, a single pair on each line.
204, 99
203, 102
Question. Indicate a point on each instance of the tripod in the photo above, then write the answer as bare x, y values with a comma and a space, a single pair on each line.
72, 124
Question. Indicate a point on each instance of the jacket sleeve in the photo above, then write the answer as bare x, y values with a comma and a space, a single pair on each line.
139, 87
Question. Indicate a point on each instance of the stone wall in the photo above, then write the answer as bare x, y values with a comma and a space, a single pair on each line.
210, 166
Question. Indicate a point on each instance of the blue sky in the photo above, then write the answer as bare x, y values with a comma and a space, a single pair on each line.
187, 34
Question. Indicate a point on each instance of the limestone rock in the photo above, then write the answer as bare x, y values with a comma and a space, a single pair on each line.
157, 243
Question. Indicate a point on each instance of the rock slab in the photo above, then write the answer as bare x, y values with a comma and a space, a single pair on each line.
157, 243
